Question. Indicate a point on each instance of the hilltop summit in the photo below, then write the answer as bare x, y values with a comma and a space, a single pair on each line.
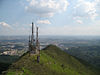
53, 61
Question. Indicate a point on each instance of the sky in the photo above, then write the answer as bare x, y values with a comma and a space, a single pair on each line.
53, 17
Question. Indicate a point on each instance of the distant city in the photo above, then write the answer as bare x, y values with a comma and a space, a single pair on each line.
17, 45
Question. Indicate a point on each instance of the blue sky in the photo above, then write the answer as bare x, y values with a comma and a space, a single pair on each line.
54, 17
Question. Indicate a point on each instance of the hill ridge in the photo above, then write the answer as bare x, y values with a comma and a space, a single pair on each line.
53, 61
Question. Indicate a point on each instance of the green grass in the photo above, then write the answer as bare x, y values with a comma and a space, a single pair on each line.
53, 61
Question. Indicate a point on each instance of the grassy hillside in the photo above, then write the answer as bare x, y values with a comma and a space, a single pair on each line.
8, 59
91, 54
53, 61
5, 61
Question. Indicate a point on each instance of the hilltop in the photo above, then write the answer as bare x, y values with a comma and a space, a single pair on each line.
53, 61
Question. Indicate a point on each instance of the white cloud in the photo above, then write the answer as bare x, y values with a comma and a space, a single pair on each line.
14, 29
4, 24
46, 8
86, 9
79, 21
5, 29
71, 30
43, 22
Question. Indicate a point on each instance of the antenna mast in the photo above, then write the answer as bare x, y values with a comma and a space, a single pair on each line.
32, 37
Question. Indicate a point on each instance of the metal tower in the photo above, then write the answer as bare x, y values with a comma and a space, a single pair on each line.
37, 41
32, 36
34, 46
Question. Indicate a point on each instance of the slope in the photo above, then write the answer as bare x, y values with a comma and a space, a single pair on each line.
53, 61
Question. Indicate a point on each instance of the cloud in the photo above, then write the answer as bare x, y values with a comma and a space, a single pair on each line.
5, 28
14, 29
4, 24
86, 9
72, 30
43, 22
79, 21
46, 8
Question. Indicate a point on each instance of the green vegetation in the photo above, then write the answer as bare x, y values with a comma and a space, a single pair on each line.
8, 58
5, 61
53, 61
3, 67
90, 54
